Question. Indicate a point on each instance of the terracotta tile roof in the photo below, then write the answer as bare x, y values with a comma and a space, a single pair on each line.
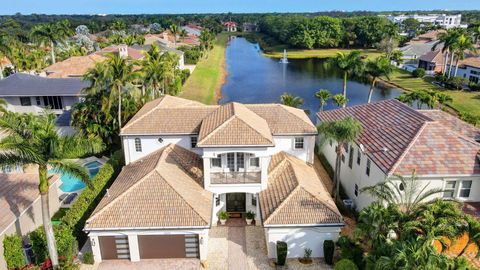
472, 61
436, 57
234, 124
295, 195
75, 66
174, 115
132, 53
18, 191
164, 189
431, 142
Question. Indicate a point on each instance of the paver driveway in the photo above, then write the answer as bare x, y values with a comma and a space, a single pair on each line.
180, 264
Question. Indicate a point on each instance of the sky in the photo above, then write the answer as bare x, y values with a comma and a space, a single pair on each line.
221, 6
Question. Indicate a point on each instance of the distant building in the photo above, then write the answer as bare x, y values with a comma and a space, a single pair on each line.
443, 20
122, 50
250, 27
163, 48
192, 29
469, 68
230, 26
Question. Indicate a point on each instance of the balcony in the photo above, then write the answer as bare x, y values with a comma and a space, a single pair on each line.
235, 178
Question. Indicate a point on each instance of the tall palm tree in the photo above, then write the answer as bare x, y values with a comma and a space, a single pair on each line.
344, 131
340, 100
376, 68
52, 34
463, 43
175, 30
153, 71
476, 33
443, 99
33, 140
406, 192
447, 40
350, 63
291, 100
323, 95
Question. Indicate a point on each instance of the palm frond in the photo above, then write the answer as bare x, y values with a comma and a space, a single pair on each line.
72, 168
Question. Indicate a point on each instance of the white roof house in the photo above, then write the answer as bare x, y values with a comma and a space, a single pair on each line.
187, 161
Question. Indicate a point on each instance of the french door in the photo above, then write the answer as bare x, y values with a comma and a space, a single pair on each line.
236, 162
235, 202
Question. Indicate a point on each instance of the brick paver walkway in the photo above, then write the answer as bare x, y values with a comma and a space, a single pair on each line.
236, 248
160, 264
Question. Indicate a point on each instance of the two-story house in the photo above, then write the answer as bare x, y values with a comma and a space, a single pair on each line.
186, 162
396, 139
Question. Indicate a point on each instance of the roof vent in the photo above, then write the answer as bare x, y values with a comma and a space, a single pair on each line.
384, 150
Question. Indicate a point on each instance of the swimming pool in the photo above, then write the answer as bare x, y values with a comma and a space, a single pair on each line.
71, 183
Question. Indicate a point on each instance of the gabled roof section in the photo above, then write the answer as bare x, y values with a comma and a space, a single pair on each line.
234, 124
284, 119
21, 84
75, 66
295, 195
164, 189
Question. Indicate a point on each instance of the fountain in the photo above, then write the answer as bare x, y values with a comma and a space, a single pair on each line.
284, 60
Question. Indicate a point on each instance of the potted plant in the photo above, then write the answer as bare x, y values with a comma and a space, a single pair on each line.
249, 216
307, 256
223, 216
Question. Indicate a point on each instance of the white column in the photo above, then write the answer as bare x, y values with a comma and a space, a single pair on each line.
203, 245
133, 246
258, 221
215, 209
264, 162
206, 172
97, 256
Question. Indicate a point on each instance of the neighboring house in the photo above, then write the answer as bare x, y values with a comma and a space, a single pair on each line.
20, 206
187, 161
397, 139
411, 52
25, 93
123, 51
192, 29
469, 68
433, 62
249, 27
163, 48
427, 37
75, 66
230, 26
443, 20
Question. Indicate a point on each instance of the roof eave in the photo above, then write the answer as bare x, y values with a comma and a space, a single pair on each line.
324, 225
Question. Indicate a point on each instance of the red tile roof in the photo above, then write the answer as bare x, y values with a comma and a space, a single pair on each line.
398, 139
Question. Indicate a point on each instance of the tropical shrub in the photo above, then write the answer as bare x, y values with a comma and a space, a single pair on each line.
222, 215
350, 250
88, 258
191, 54
13, 252
185, 73
282, 250
456, 83
328, 250
67, 246
470, 118
419, 73
39, 245
76, 216
345, 264
474, 86
250, 215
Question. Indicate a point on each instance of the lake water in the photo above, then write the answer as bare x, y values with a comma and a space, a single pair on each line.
253, 78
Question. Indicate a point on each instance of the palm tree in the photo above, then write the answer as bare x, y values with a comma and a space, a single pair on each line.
443, 99
5, 51
174, 29
447, 39
52, 33
350, 63
291, 100
476, 34
344, 131
376, 68
33, 140
153, 70
3, 106
408, 193
323, 95
340, 100
463, 43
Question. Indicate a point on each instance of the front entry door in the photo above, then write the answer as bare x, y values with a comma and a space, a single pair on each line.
235, 202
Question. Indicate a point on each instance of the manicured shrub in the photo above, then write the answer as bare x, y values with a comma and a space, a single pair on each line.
76, 216
282, 250
419, 73
474, 86
67, 246
13, 252
456, 83
350, 250
470, 118
39, 245
345, 264
88, 258
328, 250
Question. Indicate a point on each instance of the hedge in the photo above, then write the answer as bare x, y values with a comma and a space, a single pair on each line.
66, 243
282, 250
13, 252
345, 264
328, 250
76, 216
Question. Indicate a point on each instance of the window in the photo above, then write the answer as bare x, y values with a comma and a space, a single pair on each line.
449, 190
25, 101
193, 141
298, 143
216, 162
37, 100
465, 188
359, 156
138, 145
254, 200
231, 161
356, 190
350, 157
368, 167
254, 162
53, 102
240, 161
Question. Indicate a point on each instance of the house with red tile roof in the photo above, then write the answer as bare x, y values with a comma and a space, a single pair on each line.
396, 139
230, 26
186, 162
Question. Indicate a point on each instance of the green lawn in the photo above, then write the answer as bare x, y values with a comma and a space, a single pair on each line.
462, 101
207, 78
316, 53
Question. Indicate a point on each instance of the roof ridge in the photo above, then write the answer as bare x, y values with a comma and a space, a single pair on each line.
228, 120
296, 116
129, 123
405, 152
255, 130
109, 204
326, 203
